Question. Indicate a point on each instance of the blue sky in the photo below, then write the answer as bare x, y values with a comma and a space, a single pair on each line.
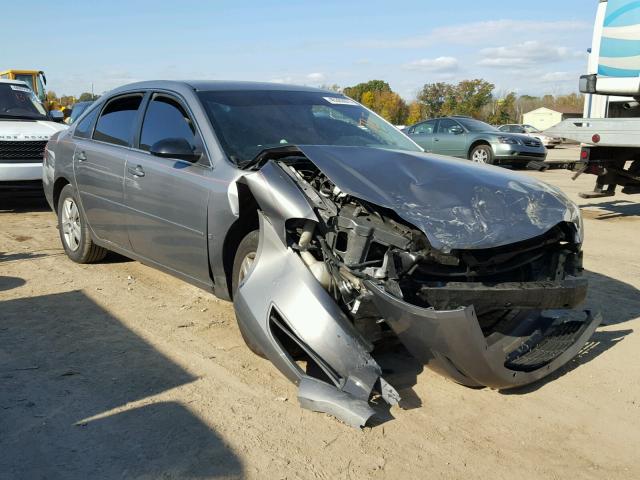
529, 47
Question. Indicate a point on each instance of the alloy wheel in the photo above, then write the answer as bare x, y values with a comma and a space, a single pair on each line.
71, 226
245, 266
480, 155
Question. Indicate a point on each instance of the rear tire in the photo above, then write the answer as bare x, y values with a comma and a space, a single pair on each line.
242, 264
74, 231
482, 154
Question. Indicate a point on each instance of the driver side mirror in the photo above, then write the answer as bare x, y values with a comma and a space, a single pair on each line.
56, 116
457, 130
179, 148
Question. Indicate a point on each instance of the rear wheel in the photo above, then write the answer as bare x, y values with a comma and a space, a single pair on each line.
482, 154
74, 231
242, 265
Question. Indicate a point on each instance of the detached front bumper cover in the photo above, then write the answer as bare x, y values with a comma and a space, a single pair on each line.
452, 342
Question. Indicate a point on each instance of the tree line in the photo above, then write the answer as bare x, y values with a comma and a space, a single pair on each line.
475, 98
55, 102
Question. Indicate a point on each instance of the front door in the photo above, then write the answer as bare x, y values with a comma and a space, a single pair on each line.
99, 163
450, 139
167, 198
422, 134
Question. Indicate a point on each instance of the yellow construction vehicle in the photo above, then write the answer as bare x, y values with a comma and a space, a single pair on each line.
34, 78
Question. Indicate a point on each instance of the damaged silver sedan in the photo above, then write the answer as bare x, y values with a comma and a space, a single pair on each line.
334, 234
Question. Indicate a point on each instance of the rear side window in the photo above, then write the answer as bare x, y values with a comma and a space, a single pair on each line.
166, 118
84, 127
117, 121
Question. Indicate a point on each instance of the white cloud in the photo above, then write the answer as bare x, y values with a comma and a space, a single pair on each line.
525, 55
435, 65
553, 77
480, 32
316, 77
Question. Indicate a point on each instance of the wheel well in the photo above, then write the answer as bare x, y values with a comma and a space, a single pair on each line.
246, 222
59, 184
475, 144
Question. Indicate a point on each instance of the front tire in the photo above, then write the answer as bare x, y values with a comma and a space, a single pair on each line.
242, 265
482, 154
74, 231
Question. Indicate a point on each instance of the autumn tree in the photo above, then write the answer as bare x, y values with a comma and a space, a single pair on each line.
357, 91
378, 96
87, 97
504, 110
468, 97
415, 113
436, 99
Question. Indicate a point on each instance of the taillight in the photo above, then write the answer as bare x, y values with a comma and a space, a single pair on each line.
584, 154
595, 138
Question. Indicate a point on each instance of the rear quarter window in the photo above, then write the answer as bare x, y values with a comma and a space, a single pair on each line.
85, 126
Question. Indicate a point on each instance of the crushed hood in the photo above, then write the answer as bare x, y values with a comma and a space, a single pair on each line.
456, 203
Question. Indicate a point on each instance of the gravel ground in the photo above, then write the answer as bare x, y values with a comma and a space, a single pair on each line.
116, 370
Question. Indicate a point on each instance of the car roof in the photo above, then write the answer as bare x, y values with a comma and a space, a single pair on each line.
219, 85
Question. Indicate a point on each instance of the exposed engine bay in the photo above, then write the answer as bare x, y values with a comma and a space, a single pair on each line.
498, 316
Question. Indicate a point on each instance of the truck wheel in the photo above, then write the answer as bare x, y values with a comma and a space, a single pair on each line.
482, 154
74, 231
242, 263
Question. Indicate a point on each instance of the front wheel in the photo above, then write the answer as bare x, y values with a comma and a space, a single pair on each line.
482, 154
242, 265
74, 231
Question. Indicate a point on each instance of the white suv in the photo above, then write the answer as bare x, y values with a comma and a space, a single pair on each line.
25, 129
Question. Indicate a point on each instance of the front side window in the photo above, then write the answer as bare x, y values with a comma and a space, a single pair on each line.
166, 118
117, 121
250, 121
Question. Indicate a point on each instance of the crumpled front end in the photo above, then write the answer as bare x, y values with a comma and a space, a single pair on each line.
337, 275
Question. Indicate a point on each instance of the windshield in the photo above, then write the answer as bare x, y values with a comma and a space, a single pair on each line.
18, 101
530, 129
248, 122
474, 125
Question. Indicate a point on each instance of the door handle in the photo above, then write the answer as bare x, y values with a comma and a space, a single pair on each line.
138, 171
436, 139
81, 156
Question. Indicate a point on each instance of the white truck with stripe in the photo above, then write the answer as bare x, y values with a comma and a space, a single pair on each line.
610, 129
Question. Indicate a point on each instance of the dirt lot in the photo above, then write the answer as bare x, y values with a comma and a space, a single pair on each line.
118, 371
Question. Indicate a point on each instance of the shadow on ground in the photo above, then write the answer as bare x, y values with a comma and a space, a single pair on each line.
9, 283
27, 197
618, 302
63, 360
610, 210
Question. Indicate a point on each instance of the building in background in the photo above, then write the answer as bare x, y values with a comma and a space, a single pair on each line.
543, 118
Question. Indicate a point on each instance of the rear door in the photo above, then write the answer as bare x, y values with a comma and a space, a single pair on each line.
167, 198
99, 163
450, 138
422, 134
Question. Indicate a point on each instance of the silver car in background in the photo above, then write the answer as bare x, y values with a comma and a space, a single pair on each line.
547, 140
334, 234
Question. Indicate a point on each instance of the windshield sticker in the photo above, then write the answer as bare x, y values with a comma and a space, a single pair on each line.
21, 89
340, 101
